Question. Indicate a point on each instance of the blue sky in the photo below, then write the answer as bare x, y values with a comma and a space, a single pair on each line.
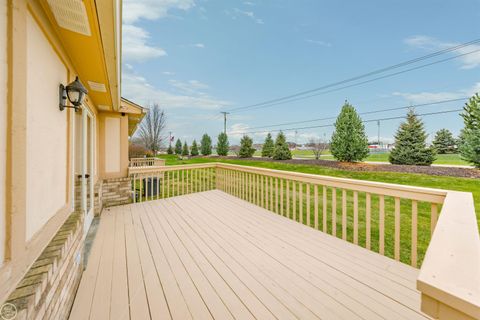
196, 58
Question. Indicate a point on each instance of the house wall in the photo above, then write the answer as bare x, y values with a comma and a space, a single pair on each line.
3, 125
113, 145
47, 144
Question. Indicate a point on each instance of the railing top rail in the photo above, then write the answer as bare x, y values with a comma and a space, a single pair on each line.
153, 169
450, 272
388, 189
148, 158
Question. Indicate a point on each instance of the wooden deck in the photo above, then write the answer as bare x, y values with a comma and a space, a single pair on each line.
210, 255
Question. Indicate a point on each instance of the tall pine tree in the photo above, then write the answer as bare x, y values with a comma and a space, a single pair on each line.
410, 143
206, 145
222, 144
349, 141
178, 147
281, 150
268, 146
470, 136
444, 141
194, 150
246, 149
185, 151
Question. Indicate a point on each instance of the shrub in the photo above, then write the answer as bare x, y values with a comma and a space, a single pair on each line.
281, 150
268, 147
194, 150
206, 145
349, 141
222, 144
178, 147
410, 143
185, 151
444, 141
470, 136
246, 150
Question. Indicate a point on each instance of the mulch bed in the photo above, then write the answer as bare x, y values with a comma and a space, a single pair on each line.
436, 171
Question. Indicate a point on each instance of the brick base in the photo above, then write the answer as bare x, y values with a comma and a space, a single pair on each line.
116, 192
48, 289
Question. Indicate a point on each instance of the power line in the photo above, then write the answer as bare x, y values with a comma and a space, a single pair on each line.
363, 113
364, 121
359, 83
396, 66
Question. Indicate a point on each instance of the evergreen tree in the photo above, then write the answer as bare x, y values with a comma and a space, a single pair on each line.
222, 144
410, 143
268, 146
349, 141
246, 150
281, 150
444, 141
178, 147
206, 145
170, 149
470, 136
185, 151
194, 150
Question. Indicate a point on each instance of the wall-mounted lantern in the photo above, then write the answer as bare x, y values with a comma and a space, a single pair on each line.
75, 92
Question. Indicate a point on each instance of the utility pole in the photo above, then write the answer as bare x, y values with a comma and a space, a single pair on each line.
296, 133
170, 138
378, 133
225, 121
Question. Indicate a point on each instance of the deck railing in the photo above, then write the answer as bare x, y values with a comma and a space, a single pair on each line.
146, 162
386, 218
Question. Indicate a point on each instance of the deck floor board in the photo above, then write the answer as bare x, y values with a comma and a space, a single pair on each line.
209, 255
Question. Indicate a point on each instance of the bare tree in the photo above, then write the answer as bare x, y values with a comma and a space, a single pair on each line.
151, 129
318, 146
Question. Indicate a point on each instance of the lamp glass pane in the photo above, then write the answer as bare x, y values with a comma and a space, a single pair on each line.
73, 96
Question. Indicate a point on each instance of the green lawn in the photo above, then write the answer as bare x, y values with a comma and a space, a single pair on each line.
460, 184
453, 159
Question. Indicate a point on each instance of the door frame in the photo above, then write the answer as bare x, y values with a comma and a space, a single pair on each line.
88, 148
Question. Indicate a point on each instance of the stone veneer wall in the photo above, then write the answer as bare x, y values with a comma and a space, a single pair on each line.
48, 289
116, 192
98, 203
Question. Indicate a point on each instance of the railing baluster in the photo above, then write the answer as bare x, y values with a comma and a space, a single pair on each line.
281, 197
344, 214
433, 217
334, 212
368, 212
276, 195
413, 250
315, 203
324, 207
141, 187
271, 193
300, 201
355, 217
397, 229
308, 205
294, 200
134, 187
287, 213
183, 182
382, 225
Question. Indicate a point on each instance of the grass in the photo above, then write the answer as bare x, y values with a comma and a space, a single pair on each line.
452, 183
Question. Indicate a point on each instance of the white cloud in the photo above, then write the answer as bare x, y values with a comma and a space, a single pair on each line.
135, 47
191, 87
199, 45
468, 61
426, 97
249, 14
248, 3
319, 42
134, 10
138, 89
168, 73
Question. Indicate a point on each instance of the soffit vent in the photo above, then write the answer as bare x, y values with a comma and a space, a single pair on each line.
103, 107
97, 86
71, 15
